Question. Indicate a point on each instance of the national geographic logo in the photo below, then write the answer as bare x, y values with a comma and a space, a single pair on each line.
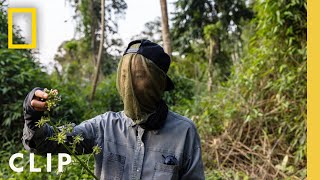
33, 43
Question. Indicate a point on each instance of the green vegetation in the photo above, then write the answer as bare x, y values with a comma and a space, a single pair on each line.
240, 75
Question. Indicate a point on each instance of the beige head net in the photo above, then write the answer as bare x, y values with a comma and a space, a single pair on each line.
140, 84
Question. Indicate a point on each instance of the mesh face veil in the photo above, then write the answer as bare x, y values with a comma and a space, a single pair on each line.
140, 84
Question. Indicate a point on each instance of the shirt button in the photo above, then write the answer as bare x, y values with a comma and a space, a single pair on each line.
137, 170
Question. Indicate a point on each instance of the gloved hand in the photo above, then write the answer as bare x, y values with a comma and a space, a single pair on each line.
33, 106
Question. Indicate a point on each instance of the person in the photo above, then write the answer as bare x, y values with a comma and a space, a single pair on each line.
145, 140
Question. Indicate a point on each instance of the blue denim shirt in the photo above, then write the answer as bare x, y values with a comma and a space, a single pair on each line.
128, 151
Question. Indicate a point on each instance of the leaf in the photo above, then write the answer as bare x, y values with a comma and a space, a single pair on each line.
284, 162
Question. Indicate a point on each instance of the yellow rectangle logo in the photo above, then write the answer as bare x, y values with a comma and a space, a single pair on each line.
33, 28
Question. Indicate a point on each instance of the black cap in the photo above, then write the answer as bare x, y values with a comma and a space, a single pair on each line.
155, 53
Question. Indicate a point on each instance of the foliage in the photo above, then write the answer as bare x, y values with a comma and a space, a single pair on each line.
19, 73
76, 64
88, 17
109, 97
263, 105
199, 26
183, 90
60, 133
76, 106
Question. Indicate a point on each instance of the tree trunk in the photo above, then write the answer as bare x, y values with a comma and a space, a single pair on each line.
165, 27
93, 33
94, 86
210, 62
58, 73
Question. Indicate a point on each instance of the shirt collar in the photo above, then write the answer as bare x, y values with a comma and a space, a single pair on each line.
130, 123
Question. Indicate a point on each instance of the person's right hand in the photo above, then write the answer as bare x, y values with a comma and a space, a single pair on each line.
38, 102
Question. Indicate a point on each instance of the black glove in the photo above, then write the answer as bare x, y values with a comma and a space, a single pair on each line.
30, 115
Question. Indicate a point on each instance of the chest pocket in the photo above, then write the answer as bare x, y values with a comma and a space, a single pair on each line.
115, 166
165, 172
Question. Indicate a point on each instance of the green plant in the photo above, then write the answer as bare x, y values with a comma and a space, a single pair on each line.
61, 135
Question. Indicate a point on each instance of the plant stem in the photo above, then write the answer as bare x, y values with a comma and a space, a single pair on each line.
56, 131
82, 164
70, 151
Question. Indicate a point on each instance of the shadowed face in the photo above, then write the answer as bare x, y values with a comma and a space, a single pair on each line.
139, 76
140, 84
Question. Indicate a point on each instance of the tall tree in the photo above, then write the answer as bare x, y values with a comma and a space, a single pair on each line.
95, 80
79, 57
88, 15
165, 27
223, 18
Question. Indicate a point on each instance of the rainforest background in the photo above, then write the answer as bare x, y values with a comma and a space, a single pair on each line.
239, 68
